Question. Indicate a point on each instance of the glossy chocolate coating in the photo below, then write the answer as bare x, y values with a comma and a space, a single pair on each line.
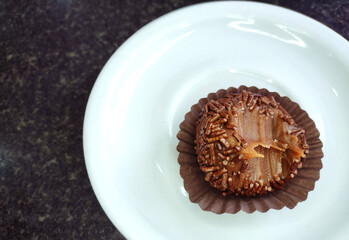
247, 144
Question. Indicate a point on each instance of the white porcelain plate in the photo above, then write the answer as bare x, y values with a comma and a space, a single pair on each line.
152, 80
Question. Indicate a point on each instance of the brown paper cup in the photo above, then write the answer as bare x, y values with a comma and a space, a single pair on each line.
210, 199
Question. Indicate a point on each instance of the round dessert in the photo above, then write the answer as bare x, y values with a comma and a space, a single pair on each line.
248, 145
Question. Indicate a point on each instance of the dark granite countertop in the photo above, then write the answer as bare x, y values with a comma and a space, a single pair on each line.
50, 55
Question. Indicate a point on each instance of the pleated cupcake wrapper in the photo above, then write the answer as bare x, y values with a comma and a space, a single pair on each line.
210, 199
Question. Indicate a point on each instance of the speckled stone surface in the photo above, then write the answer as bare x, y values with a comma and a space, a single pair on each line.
50, 55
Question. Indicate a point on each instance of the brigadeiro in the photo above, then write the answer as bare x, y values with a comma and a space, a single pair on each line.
248, 149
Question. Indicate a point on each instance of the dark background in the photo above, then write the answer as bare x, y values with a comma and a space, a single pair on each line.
50, 55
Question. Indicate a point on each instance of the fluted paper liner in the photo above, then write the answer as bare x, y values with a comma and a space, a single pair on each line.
211, 199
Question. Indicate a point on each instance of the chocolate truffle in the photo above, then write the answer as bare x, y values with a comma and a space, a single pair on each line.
248, 145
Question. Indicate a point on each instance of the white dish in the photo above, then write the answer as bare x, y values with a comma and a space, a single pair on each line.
152, 80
